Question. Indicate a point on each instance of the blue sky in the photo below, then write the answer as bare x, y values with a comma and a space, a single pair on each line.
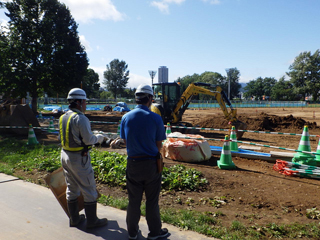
260, 38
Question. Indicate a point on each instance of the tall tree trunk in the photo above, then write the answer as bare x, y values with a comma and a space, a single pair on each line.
34, 103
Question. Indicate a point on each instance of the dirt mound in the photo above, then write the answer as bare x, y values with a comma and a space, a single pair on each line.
262, 122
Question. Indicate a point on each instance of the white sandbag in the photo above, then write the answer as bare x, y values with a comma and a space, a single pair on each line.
188, 150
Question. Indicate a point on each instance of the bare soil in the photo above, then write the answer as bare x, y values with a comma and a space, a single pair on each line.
253, 193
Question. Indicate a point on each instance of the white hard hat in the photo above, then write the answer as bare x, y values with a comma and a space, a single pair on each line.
144, 88
77, 93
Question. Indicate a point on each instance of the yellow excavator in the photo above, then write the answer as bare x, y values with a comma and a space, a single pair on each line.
171, 105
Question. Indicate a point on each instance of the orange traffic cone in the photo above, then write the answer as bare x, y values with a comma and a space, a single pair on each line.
304, 145
225, 161
32, 140
233, 136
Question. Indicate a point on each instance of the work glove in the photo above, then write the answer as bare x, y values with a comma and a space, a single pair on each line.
100, 138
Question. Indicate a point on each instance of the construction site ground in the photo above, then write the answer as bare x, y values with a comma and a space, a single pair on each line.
253, 193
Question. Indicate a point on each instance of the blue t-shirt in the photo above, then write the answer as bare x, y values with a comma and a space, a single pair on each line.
141, 128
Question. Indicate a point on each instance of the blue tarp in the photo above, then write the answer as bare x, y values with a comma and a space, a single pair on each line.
93, 108
121, 107
241, 151
51, 108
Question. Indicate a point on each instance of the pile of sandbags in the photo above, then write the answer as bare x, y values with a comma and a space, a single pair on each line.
187, 150
110, 140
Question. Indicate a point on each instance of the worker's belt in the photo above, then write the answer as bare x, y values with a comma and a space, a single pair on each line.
142, 158
72, 150
79, 149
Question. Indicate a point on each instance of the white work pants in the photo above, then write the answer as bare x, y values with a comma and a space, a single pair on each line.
79, 176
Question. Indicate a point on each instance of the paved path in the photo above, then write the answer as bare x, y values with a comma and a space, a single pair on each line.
29, 211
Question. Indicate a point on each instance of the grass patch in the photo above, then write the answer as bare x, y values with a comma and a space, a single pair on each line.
110, 169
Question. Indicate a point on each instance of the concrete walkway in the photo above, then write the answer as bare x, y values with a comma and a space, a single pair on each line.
30, 211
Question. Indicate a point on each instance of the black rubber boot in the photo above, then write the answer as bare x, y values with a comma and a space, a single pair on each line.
93, 221
75, 218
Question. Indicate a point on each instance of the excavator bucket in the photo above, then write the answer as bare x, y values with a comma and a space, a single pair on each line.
239, 126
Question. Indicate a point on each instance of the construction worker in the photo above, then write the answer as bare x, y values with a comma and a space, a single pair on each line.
143, 132
76, 138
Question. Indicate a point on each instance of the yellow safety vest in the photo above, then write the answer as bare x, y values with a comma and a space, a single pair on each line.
67, 141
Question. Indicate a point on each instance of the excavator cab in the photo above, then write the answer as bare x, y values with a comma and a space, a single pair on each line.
166, 96
171, 104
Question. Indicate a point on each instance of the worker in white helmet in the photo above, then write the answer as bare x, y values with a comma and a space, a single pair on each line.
143, 131
76, 139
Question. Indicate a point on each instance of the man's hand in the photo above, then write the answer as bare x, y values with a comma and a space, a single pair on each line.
100, 138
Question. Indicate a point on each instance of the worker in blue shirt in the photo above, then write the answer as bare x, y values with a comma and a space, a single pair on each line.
143, 132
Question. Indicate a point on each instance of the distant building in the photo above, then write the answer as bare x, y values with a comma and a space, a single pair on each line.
162, 74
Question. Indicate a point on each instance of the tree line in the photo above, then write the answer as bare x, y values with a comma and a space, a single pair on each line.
40, 52
304, 81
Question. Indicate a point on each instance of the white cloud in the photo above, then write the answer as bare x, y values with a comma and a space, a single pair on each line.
213, 2
85, 11
135, 80
163, 5
100, 71
85, 43
3, 25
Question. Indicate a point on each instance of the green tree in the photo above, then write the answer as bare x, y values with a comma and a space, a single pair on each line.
234, 75
305, 73
45, 50
268, 85
129, 93
213, 78
283, 91
249, 89
259, 88
116, 77
185, 81
4, 66
106, 95
91, 83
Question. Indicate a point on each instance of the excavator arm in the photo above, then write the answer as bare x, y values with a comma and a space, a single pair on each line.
196, 88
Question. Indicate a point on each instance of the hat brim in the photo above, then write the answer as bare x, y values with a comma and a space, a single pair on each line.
142, 96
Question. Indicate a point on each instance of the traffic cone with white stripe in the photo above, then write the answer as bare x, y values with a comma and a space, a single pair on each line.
318, 156
304, 145
51, 126
233, 136
168, 129
32, 140
225, 161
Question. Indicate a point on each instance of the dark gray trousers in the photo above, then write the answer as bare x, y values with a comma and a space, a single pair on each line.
142, 176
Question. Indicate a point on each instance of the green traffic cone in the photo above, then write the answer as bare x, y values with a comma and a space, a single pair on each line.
225, 161
51, 126
32, 140
168, 129
304, 145
318, 156
233, 136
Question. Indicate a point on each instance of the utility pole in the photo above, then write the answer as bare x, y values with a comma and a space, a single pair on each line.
229, 78
152, 75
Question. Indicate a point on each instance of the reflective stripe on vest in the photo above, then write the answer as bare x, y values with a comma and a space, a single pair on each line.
67, 141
